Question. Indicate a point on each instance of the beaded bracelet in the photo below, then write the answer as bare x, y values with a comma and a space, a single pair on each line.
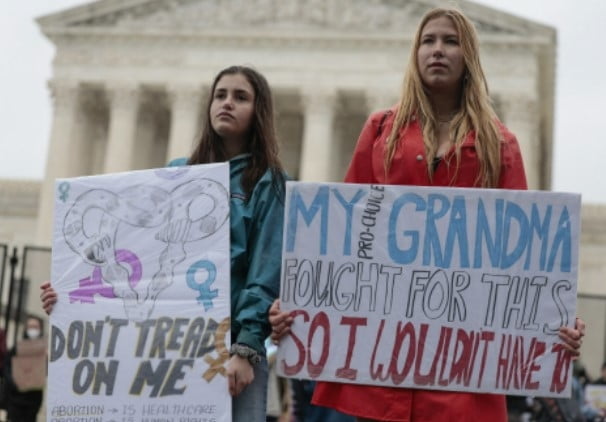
245, 352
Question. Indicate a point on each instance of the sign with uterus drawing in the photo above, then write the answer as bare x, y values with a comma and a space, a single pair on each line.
141, 265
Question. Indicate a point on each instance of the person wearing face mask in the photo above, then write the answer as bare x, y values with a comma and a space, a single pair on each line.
24, 392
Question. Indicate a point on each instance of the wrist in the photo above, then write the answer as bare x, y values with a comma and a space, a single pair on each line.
245, 352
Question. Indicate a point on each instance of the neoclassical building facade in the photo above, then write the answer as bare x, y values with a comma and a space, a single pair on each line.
131, 77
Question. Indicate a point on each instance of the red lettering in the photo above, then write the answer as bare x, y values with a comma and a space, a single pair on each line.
485, 338
402, 332
294, 369
522, 363
347, 372
320, 320
527, 363
462, 366
430, 377
503, 361
516, 363
561, 370
446, 334
377, 373
539, 350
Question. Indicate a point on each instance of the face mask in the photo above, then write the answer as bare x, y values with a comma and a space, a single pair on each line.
32, 333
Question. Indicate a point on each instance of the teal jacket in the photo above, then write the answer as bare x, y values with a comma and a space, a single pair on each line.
256, 253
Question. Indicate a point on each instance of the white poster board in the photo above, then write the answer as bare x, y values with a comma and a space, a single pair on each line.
595, 395
141, 264
433, 288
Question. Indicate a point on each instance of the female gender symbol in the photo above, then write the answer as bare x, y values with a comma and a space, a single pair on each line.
206, 294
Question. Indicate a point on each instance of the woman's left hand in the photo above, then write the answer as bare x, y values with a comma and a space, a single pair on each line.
240, 373
572, 338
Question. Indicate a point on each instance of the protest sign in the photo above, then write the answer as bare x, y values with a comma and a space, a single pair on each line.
595, 395
433, 288
29, 364
141, 265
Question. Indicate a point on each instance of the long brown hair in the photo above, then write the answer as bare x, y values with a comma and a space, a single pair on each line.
262, 142
476, 112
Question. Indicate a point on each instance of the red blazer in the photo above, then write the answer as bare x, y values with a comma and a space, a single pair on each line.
409, 168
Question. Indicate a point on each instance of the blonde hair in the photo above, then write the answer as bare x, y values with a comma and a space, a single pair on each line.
476, 112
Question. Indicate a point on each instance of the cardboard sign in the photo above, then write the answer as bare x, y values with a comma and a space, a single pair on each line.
595, 395
141, 264
29, 365
432, 288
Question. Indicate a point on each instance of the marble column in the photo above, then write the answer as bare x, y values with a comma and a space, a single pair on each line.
185, 113
65, 95
318, 143
522, 118
124, 107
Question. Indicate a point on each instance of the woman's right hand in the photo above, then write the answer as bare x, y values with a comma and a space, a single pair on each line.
48, 296
240, 374
280, 321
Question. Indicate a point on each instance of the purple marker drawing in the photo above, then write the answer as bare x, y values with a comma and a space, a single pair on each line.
93, 285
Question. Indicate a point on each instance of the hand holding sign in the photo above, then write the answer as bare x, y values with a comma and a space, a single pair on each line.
573, 337
280, 321
48, 296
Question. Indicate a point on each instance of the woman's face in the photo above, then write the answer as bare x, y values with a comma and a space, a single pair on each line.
440, 57
232, 108
33, 328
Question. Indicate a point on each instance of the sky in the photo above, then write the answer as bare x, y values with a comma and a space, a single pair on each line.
579, 145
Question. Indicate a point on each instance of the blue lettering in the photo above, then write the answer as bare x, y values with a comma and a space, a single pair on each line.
514, 212
541, 229
457, 231
493, 245
438, 206
320, 203
562, 241
403, 256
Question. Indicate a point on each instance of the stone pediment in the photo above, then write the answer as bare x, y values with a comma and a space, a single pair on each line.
355, 16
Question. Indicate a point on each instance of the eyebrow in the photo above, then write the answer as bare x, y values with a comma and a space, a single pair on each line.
237, 91
433, 34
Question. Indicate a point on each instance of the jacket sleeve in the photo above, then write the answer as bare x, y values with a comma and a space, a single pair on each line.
177, 162
513, 175
263, 276
360, 167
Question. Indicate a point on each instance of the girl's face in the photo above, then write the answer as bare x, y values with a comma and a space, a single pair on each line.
440, 57
232, 109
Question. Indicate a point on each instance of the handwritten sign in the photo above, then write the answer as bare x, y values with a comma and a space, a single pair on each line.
29, 364
595, 395
433, 288
141, 264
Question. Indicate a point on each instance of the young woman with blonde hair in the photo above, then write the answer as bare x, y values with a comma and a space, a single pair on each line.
443, 132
